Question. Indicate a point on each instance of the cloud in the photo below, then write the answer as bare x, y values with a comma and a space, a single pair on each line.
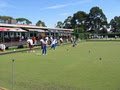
57, 6
68, 4
64, 14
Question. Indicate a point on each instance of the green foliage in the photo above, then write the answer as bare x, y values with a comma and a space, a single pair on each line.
79, 22
81, 36
40, 23
59, 24
28, 22
115, 23
97, 19
103, 31
82, 22
67, 23
79, 19
23, 21
79, 30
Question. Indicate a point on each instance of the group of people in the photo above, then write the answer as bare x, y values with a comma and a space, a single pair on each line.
51, 41
13, 37
44, 42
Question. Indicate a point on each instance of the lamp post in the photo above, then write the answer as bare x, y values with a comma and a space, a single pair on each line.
13, 74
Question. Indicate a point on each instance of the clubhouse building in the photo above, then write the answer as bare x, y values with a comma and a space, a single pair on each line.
17, 34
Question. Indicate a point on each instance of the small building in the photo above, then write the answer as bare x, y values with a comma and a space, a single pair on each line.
9, 21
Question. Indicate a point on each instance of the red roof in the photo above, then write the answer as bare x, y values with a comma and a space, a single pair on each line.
3, 29
12, 29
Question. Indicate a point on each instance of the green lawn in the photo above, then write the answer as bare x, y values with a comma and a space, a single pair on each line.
117, 39
72, 69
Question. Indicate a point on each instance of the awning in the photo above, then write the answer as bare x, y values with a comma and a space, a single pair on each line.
37, 30
16, 30
12, 30
3, 29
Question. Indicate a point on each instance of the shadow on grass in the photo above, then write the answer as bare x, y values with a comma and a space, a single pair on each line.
49, 86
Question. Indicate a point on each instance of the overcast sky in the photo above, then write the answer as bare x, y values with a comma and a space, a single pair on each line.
51, 11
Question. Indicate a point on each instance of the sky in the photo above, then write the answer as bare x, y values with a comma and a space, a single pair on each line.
52, 11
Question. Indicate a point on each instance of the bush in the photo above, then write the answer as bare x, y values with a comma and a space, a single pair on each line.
81, 36
20, 46
6, 48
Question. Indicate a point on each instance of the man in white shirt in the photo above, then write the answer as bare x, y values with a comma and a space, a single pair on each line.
47, 39
2, 47
71, 39
44, 50
56, 42
41, 42
51, 40
30, 44
61, 41
53, 44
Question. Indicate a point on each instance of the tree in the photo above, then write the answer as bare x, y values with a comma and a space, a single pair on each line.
115, 23
79, 21
28, 22
40, 23
67, 23
59, 24
103, 31
96, 19
23, 21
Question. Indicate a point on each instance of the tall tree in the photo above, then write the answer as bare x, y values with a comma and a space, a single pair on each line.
23, 21
115, 23
79, 21
59, 24
67, 23
40, 23
96, 19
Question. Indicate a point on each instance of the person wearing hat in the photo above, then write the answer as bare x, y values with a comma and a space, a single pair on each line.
2, 47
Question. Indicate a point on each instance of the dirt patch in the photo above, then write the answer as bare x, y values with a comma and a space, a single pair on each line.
1, 88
